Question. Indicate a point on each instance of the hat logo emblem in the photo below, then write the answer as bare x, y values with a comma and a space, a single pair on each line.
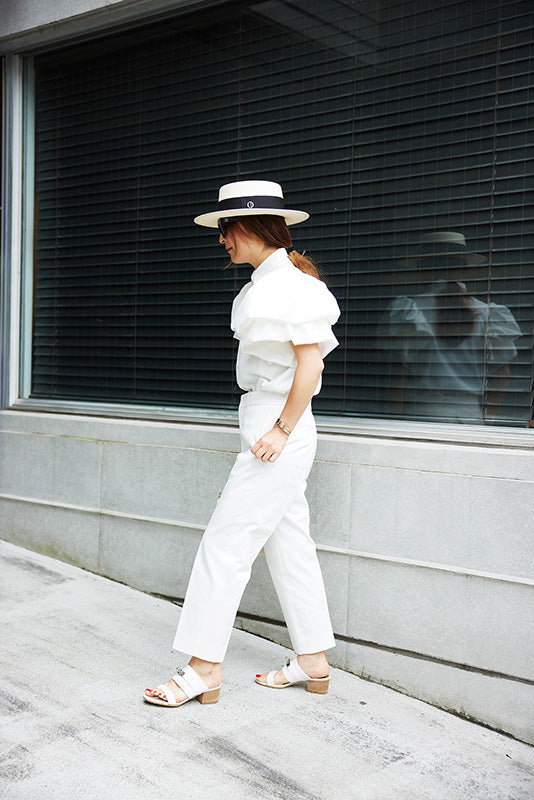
250, 204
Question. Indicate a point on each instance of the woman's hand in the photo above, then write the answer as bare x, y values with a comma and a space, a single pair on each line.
305, 380
271, 444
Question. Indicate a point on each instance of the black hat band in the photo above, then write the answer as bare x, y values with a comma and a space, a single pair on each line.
255, 201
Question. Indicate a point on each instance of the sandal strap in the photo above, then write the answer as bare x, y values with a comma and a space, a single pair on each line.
169, 697
190, 682
270, 677
294, 672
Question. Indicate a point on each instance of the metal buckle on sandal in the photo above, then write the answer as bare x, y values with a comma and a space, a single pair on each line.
180, 672
288, 661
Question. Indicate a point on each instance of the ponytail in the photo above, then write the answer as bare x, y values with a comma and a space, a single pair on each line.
306, 265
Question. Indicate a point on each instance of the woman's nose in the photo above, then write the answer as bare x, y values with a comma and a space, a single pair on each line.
221, 239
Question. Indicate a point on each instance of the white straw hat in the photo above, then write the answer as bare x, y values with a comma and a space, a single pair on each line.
249, 198
444, 243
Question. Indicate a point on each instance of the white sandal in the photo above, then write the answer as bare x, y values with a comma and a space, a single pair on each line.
294, 673
191, 684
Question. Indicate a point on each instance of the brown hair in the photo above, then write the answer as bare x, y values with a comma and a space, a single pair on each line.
273, 231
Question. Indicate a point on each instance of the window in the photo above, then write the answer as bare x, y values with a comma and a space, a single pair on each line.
402, 127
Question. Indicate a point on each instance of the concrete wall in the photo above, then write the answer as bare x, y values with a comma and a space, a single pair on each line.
426, 547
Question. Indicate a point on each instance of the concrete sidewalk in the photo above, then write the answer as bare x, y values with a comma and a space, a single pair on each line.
78, 650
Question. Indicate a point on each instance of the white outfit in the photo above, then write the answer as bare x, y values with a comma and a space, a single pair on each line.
448, 380
280, 305
263, 503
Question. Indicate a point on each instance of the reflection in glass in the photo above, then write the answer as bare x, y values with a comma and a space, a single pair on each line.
451, 350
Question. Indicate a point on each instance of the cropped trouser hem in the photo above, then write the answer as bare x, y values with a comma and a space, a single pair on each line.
198, 650
263, 505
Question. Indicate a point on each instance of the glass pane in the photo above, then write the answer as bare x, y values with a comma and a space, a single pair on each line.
402, 127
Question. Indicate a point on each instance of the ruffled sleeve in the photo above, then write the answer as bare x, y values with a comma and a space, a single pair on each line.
284, 306
502, 331
404, 328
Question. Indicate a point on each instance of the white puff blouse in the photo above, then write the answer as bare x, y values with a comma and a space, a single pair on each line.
280, 305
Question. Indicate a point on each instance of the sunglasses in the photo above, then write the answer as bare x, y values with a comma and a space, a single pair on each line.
223, 223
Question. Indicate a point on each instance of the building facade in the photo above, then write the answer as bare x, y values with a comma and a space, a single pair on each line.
405, 129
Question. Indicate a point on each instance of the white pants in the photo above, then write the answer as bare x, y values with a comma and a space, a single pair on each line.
262, 505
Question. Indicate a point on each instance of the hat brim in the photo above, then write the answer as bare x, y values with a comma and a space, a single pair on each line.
291, 216
471, 259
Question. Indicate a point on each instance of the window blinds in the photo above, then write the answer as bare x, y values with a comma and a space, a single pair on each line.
386, 121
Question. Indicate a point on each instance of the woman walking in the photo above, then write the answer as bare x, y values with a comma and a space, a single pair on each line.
282, 319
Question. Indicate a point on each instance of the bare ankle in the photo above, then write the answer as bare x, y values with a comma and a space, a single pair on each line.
310, 662
321, 656
204, 667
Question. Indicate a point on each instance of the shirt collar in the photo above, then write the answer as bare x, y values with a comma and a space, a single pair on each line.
276, 260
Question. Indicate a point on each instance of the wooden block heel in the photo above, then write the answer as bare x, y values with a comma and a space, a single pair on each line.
209, 697
318, 687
